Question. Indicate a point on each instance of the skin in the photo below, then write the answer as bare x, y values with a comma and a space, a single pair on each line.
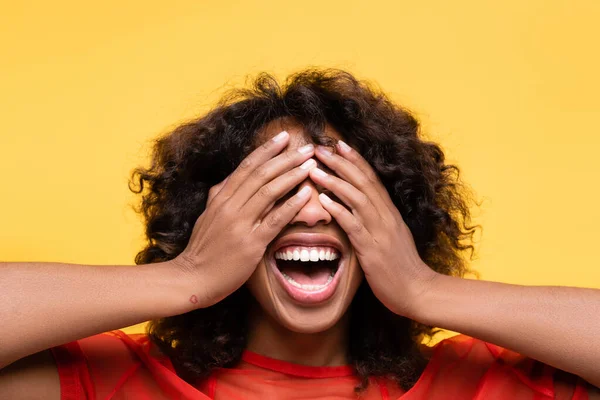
541, 322
318, 332
247, 211
555, 325
544, 323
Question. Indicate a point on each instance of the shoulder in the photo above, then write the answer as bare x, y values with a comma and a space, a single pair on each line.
463, 346
69, 370
98, 364
487, 369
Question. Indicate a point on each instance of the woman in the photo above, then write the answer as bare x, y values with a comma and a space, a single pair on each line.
280, 269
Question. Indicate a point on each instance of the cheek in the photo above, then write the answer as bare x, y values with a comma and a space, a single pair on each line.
355, 278
258, 284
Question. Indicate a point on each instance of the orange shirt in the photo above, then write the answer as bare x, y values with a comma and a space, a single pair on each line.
116, 366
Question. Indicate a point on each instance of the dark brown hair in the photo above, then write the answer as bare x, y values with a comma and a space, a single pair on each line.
198, 154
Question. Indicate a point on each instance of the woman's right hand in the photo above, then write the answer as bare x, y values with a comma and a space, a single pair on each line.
240, 219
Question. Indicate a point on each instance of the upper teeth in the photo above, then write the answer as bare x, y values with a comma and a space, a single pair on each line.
307, 254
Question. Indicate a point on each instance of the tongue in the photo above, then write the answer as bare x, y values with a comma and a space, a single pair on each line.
315, 274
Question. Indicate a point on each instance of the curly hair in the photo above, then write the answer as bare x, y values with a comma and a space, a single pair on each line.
197, 155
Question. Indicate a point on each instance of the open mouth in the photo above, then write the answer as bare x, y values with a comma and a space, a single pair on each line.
310, 268
309, 274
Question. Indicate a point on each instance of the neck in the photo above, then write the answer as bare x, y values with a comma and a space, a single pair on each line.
269, 338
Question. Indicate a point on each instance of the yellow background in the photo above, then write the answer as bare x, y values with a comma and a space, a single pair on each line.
510, 89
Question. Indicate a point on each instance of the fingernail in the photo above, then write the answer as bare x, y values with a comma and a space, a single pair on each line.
308, 164
325, 199
305, 191
280, 136
325, 151
343, 146
319, 172
306, 149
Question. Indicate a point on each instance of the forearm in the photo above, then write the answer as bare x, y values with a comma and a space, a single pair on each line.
555, 325
47, 304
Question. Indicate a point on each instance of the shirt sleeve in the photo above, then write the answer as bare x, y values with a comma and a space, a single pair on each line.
556, 384
475, 369
113, 365
73, 372
94, 367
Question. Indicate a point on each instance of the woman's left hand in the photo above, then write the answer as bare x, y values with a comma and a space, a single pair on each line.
506, 315
381, 239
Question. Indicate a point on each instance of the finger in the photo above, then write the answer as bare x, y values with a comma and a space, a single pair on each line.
357, 233
215, 190
267, 195
348, 194
361, 175
259, 156
269, 171
279, 217
359, 162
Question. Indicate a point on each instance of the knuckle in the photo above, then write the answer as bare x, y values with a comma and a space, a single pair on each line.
371, 176
362, 180
291, 204
355, 157
259, 173
298, 173
245, 164
289, 156
266, 145
265, 191
225, 212
357, 227
363, 200
273, 220
350, 163
211, 193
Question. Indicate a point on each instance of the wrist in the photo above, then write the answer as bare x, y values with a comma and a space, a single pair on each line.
185, 287
423, 290
440, 299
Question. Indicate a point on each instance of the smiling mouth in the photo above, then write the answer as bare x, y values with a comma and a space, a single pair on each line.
308, 268
309, 274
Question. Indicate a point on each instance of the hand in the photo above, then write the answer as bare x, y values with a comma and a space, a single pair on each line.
381, 239
241, 219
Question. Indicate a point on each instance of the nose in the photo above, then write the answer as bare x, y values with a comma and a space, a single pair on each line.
313, 212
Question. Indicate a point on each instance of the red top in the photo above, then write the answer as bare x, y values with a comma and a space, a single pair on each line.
117, 366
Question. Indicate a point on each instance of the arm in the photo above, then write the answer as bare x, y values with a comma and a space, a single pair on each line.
555, 325
47, 304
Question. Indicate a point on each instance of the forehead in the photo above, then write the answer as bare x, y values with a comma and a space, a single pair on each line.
298, 137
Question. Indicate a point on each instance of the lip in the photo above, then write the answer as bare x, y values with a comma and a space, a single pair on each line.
307, 239
306, 297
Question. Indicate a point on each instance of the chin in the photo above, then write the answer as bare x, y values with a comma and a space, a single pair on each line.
309, 324
306, 283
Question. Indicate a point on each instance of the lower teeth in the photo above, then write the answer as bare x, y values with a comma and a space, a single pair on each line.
307, 287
